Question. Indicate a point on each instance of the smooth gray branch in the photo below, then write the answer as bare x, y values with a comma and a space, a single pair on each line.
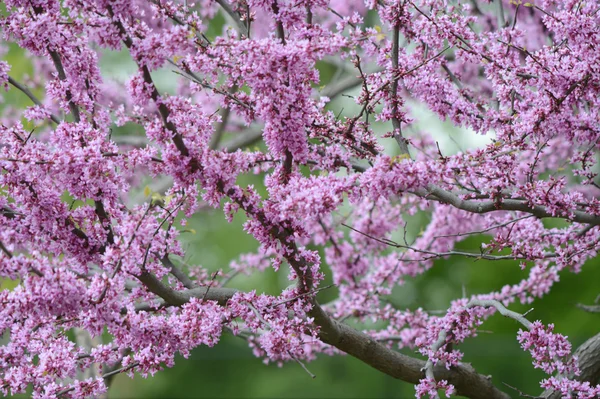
491, 303
226, 6
172, 297
506, 204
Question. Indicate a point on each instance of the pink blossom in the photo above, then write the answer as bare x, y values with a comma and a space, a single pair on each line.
331, 194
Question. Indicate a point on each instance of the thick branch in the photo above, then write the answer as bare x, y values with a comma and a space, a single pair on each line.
105, 221
62, 76
163, 110
226, 6
178, 298
464, 378
179, 275
279, 24
345, 338
505, 205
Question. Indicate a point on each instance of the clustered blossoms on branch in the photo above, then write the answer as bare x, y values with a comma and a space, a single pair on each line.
87, 259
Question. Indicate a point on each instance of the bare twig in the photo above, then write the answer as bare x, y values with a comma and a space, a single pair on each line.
110, 374
396, 124
177, 273
31, 96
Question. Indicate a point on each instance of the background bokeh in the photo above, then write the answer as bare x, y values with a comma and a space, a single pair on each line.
229, 370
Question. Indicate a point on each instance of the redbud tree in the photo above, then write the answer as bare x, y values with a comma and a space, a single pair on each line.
99, 286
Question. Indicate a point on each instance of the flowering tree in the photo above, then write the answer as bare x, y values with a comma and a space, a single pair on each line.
89, 261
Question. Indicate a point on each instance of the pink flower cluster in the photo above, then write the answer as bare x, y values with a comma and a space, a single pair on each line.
430, 388
551, 352
88, 249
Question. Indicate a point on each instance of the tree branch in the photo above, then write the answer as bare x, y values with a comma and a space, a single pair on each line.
226, 6
31, 96
588, 361
178, 298
163, 110
396, 124
62, 76
179, 275
345, 338
507, 204
441, 341
487, 303
216, 138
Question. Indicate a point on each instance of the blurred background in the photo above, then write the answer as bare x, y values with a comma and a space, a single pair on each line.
229, 370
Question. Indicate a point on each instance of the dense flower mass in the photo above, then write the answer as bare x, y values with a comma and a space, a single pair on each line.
89, 258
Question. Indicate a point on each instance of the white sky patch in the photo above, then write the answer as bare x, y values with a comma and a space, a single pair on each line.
451, 139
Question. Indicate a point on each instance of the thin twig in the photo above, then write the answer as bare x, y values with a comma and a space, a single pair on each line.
302, 365
32, 97
121, 370
302, 295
